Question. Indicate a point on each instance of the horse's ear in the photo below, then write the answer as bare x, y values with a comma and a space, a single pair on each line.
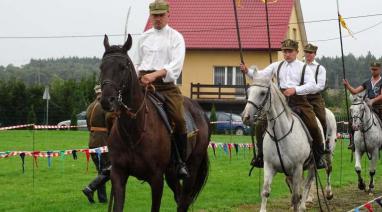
106, 42
126, 47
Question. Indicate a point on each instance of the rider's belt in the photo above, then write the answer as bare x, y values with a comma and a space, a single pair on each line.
98, 129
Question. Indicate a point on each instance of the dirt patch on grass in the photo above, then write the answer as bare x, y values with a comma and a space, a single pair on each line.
345, 198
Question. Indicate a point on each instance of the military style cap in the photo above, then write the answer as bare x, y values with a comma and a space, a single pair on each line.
97, 89
159, 7
289, 44
375, 64
310, 48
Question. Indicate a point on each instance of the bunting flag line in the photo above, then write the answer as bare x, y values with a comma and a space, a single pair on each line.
344, 25
368, 205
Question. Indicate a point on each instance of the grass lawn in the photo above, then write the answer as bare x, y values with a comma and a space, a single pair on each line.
58, 188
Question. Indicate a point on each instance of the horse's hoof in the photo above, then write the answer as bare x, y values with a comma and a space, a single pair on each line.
329, 196
361, 186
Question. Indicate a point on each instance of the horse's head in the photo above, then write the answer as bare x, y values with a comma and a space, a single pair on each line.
117, 72
357, 110
259, 94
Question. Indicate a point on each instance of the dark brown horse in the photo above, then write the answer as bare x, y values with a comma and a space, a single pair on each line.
139, 143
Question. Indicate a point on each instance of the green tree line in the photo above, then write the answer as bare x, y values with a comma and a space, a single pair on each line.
71, 81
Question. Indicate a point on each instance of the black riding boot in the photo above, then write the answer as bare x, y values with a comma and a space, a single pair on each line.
180, 155
97, 184
318, 152
258, 161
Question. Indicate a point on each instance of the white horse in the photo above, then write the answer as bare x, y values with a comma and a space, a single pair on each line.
367, 138
330, 144
285, 131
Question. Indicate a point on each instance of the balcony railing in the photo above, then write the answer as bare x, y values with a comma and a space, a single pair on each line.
208, 91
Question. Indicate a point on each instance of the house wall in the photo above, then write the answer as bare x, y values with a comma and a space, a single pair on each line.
199, 65
294, 33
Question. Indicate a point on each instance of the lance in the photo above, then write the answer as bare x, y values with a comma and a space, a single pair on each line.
268, 32
344, 75
240, 48
244, 79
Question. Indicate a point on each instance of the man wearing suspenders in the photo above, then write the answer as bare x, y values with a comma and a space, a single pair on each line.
315, 98
295, 79
373, 89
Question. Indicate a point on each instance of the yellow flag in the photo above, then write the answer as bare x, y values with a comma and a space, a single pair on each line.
238, 3
343, 24
269, 1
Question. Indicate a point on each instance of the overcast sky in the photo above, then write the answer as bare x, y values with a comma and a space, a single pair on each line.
93, 18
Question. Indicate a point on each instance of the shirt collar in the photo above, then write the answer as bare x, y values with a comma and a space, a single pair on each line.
165, 28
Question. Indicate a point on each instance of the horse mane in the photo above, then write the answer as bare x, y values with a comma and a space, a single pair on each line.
277, 91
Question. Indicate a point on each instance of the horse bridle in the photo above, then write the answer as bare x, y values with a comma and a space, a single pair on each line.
361, 117
123, 85
260, 107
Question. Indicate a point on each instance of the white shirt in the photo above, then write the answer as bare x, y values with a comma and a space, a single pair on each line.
161, 49
321, 76
290, 76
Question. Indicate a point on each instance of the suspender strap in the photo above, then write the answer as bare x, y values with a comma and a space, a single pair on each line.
278, 73
318, 68
303, 75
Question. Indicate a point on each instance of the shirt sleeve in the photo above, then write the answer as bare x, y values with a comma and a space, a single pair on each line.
309, 83
178, 52
364, 84
138, 57
321, 79
267, 72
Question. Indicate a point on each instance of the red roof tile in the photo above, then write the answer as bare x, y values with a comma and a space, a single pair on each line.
210, 24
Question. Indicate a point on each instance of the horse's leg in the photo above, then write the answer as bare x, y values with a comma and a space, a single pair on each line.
118, 181
328, 190
307, 187
373, 164
198, 168
156, 184
358, 168
296, 187
173, 183
269, 173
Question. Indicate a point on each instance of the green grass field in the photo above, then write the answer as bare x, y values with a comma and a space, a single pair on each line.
59, 188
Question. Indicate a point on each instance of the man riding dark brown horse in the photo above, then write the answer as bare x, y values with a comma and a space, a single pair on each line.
140, 143
160, 61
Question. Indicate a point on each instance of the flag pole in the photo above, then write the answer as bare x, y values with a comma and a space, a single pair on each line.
244, 79
268, 32
344, 75
240, 48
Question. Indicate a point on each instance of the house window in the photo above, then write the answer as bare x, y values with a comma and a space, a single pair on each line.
227, 75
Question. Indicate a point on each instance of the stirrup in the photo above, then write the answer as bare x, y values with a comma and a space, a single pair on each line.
182, 171
257, 162
320, 164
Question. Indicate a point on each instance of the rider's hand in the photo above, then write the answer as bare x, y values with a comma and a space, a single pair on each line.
243, 68
289, 92
345, 82
148, 78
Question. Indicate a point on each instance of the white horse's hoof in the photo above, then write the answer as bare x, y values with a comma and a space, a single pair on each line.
329, 195
263, 210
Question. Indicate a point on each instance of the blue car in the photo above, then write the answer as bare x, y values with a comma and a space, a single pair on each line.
229, 123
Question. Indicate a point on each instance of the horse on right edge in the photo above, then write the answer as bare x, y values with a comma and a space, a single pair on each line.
367, 137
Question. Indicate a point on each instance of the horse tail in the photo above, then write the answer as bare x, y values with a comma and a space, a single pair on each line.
201, 177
